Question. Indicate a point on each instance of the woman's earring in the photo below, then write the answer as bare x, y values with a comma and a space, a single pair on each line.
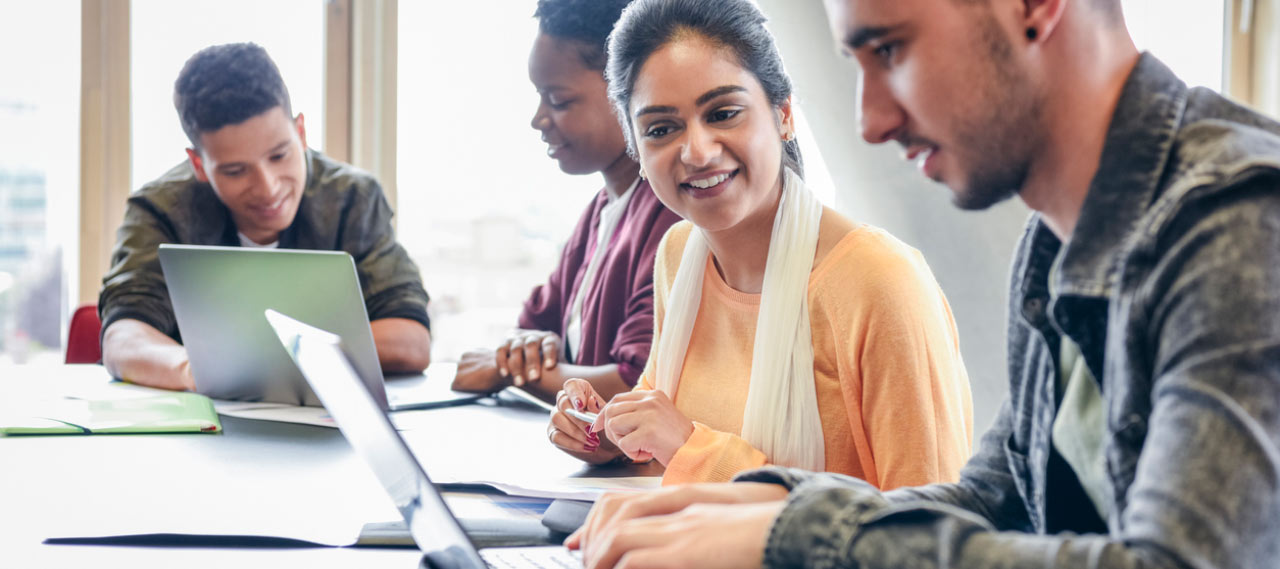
1032, 34
642, 174
788, 136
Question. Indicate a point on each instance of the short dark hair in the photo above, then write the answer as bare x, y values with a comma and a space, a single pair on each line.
587, 22
737, 25
227, 84
1112, 10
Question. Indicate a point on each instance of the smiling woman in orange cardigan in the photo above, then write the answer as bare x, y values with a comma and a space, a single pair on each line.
892, 390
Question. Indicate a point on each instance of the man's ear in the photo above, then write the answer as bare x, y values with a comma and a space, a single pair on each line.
1041, 18
300, 124
197, 165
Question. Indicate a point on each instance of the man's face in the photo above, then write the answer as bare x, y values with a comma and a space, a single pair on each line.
258, 168
943, 79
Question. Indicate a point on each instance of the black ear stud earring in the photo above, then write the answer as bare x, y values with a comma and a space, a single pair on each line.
1031, 34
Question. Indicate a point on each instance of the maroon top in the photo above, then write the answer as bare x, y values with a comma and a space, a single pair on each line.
617, 315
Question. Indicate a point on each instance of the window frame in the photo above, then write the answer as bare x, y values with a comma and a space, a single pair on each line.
1252, 26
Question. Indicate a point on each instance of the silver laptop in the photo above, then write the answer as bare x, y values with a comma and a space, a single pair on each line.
327, 367
218, 296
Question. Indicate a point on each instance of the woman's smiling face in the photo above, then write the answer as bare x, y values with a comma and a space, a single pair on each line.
708, 138
574, 114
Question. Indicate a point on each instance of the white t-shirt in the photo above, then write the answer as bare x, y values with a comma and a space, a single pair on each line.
610, 214
247, 242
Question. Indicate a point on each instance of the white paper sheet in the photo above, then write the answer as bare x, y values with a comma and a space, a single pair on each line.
281, 413
587, 489
277, 412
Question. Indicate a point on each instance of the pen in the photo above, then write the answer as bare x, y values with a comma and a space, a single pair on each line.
582, 416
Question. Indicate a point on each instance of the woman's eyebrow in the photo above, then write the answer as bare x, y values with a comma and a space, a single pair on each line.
656, 109
718, 91
702, 100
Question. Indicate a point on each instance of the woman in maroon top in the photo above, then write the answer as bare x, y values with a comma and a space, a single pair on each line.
594, 317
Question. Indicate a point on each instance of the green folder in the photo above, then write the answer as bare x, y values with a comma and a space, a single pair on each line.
176, 412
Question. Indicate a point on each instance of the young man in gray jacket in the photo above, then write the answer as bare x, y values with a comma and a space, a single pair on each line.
1142, 427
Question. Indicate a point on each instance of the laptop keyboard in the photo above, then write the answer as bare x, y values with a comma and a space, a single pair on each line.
524, 557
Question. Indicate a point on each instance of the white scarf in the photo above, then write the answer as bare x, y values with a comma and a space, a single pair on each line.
781, 416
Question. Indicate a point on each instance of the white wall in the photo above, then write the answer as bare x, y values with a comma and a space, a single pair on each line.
969, 252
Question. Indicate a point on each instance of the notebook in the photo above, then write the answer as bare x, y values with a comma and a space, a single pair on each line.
162, 413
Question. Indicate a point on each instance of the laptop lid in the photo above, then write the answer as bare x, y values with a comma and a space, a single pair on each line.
370, 432
219, 295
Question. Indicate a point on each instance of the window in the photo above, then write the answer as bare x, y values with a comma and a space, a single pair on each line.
165, 34
1186, 34
39, 174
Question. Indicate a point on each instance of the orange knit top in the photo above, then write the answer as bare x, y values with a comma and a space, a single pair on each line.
892, 389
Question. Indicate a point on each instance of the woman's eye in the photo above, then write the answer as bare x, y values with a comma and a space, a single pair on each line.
657, 131
560, 105
719, 115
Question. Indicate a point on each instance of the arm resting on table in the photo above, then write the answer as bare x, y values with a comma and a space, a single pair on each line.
404, 345
135, 351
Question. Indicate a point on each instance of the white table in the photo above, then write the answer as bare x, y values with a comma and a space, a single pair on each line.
256, 477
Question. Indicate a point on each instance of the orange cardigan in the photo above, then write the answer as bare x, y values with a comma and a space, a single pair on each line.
892, 390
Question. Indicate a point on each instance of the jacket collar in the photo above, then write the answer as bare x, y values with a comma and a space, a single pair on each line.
1135, 154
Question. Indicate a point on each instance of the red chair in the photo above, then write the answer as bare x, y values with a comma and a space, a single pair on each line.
84, 342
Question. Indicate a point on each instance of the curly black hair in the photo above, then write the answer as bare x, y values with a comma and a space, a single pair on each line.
588, 22
227, 84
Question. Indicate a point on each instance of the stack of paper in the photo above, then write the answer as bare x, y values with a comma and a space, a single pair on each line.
588, 489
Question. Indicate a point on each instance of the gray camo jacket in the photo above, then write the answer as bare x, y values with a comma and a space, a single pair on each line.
1170, 284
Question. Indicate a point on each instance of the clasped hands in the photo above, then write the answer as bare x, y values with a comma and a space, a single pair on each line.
641, 425
521, 358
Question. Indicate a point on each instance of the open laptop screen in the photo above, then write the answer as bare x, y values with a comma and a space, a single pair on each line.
219, 294
367, 428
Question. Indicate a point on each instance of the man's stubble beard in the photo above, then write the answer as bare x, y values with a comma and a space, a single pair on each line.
999, 141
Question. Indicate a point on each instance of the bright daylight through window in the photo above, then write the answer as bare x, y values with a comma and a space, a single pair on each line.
39, 170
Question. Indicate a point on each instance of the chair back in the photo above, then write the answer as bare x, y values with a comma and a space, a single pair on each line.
84, 342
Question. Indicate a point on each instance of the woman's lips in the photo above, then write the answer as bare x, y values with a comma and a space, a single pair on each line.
709, 186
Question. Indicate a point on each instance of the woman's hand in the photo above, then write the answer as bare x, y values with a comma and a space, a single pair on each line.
573, 436
524, 355
618, 508
477, 373
644, 425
